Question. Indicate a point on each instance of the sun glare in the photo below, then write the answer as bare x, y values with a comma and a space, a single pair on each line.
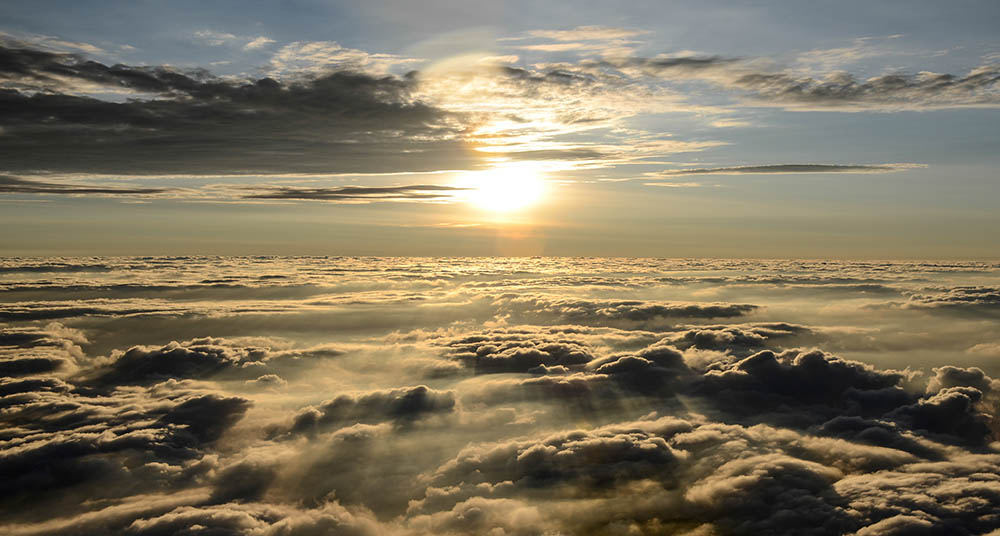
504, 189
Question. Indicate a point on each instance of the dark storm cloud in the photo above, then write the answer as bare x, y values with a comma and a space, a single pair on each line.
190, 121
15, 185
346, 193
790, 168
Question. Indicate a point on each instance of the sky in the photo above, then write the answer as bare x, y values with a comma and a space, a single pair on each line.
464, 268
757, 129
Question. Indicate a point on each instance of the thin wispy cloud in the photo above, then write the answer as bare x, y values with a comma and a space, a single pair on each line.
588, 33
795, 168
16, 185
417, 192
259, 43
214, 38
298, 58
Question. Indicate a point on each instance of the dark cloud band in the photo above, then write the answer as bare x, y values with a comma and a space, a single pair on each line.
794, 168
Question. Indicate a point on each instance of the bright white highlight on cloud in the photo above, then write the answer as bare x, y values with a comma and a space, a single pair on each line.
259, 42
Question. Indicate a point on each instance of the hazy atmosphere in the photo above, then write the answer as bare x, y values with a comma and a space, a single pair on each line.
667, 129
391, 268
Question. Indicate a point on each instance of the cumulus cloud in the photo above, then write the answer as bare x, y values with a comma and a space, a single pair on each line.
597, 460
741, 480
407, 396
400, 405
29, 351
513, 352
268, 381
201, 358
67, 439
736, 340
765, 385
951, 376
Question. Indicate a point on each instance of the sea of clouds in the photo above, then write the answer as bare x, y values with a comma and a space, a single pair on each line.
404, 396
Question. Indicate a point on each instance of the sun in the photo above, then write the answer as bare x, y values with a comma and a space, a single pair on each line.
504, 188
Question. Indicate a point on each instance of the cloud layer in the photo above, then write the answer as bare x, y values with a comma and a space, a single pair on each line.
469, 396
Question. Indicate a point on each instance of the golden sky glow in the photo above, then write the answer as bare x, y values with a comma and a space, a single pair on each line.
505, 188
411, 135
